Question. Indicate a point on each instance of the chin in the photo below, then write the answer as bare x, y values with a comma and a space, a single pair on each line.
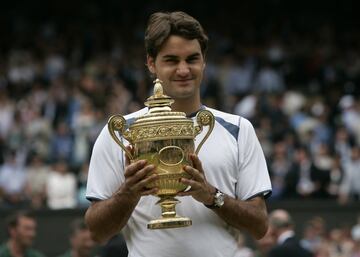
183, 95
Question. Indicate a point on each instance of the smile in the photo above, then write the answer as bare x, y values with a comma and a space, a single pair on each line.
182, 80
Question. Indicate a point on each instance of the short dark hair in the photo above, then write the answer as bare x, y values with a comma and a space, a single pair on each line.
162, 25
13, 219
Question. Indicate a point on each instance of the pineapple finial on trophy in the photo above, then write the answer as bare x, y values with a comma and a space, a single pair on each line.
158, 101
158, 89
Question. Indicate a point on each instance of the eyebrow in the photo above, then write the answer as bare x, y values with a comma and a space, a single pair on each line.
170, 56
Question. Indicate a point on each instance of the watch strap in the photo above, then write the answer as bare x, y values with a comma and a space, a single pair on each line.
218, 195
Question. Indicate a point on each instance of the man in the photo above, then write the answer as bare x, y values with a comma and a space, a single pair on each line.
81, 242
229, 178
21, 228
282, 229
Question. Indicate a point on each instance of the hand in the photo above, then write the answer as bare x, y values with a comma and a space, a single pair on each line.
137, 177
200, 190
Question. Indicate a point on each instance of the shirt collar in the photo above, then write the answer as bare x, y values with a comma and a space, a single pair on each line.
192, 115
287, 234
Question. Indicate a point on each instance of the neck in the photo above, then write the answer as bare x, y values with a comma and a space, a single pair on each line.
16, 250
186, 105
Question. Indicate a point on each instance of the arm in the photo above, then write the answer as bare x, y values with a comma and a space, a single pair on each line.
106, 218
250, 215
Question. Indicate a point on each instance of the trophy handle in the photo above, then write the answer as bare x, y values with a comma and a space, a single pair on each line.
204, 118
118, 123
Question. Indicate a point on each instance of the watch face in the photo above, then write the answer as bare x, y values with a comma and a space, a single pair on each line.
219, 199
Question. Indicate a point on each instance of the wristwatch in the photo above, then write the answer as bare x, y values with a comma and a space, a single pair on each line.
219, 198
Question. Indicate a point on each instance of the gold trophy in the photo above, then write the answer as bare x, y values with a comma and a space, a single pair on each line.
165, 139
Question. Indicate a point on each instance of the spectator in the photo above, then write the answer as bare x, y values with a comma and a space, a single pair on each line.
350, 187
13, 181
298, 182
339, 244
314, 234
355, 234
282, 228
21, 229
81, 244
62, 143
37, 175
61, 187
320, 172
264, 245
279, 167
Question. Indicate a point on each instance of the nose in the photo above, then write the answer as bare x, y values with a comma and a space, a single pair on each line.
182, 69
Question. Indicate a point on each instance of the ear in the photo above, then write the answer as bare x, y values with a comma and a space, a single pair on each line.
150, 61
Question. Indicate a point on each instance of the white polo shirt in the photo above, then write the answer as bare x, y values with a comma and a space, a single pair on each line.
233, 161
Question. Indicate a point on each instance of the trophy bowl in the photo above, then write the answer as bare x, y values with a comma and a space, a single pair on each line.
165, 139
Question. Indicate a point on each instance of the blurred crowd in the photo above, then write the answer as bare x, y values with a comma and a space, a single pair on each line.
316, 237
296, 81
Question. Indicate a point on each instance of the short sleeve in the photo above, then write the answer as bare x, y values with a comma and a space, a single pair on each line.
253, 176
106, 169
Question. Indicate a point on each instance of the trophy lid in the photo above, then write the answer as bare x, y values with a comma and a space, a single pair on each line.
160, 122
159, 105
159, 102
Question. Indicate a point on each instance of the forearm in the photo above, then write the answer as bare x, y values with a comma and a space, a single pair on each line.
106, 218
250, 215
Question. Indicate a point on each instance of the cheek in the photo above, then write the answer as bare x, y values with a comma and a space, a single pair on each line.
198, 70
165, 74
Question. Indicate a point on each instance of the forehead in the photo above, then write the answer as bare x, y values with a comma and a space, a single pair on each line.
81, 233
179, 46
23, 220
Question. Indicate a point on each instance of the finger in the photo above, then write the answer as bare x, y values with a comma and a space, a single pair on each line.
194, 173
151, 191
132, 168
187, 193
146, 181
192, 191
196, 163
139, 175
190, 182
127, 159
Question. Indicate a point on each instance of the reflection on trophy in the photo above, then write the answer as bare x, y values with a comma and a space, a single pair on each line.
165, 139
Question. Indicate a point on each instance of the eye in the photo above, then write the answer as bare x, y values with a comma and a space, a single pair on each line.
192, 59
171, 61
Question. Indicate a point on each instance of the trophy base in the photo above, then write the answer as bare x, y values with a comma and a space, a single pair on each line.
170, 222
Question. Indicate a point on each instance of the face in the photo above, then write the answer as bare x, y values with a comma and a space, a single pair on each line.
180, 65
272, 232
25, 232
82, 243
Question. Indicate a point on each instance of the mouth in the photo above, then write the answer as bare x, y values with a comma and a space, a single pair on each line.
182, 80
